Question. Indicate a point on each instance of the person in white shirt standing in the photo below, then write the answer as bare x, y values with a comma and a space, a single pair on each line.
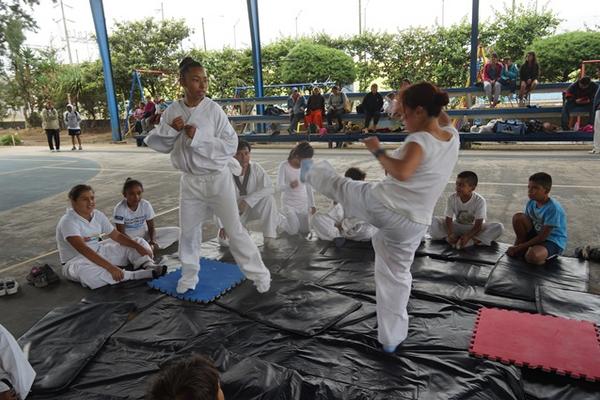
464, 224
202, 142
89, 258
72, 121
297, 198
134, 217
254, 194
402, 204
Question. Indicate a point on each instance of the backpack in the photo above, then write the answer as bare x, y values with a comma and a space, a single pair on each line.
510, 127
347, 103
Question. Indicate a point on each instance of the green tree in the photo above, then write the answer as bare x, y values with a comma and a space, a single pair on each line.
226, 69
11, 10
147, 44
308, 62
560, 55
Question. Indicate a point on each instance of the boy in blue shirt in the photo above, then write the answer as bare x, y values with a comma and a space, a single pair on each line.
542, 230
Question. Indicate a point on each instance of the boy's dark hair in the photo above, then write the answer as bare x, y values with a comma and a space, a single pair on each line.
470, 177
186, 64
543, 179
494, 55
356, 174
585, 80
194, 378
242, 144
78, 190
130, 183
426, 95
302, 150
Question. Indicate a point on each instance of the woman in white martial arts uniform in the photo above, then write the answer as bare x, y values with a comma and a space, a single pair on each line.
201, 141
254, 194
92, 261
16, 374
134, 217
334, 224
297, 198
402, 204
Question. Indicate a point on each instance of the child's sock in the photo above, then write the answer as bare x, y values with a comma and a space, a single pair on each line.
305, 166
389, 348
184, 284
139, 274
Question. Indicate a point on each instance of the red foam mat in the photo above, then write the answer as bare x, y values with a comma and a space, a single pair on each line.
554, 344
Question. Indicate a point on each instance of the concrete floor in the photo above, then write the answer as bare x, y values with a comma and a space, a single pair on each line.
34, 185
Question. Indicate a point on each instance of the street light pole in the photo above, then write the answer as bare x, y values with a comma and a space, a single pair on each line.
359, 17
235, 33
203, 34
297, 15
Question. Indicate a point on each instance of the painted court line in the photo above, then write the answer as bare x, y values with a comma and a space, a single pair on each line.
40, 167
115, 169
30, 260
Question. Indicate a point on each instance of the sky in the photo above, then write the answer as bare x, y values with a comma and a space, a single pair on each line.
226, 21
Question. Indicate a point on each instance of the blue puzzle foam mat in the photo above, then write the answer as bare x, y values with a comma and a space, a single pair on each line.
215, 279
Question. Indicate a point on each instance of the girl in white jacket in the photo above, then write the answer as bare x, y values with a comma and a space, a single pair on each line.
202, 142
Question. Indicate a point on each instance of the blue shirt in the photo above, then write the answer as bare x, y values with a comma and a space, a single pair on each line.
550, 214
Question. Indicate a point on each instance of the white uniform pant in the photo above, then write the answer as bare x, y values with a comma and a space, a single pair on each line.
200, 197
294, 221
324, 226
497, 87
359, 231
93, 276
164, 236
490, 231
395, 244
14, 365
266, 212
597, 131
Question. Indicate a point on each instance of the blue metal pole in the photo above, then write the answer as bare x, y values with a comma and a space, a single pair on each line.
474, 42
102, 37
256, 58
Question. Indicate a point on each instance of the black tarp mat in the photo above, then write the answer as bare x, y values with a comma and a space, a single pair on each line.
137, 292
67, 338
314, 336
477, 254
568, 303
513, 277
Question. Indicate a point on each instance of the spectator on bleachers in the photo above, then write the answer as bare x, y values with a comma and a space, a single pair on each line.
372, 104
528, 74
596, 149
335, 107
138, 115
492, 72
578, 97
509, 76
389, 103
296, 106
149, 111
315, 109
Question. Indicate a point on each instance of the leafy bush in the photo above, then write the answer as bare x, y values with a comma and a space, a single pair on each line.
6, 140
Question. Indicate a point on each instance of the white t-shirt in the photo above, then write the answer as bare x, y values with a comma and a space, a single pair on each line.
300, 198
134, 221
73, 224
415, 198
466, 213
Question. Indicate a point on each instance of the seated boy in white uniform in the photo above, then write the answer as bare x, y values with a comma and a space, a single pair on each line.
255, 196
334, 225
464, 224
91, 260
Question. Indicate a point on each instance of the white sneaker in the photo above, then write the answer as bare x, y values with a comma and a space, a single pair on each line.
594, 151
11, 285
57, 150
52, 150
2, 288
262, 286
183, 285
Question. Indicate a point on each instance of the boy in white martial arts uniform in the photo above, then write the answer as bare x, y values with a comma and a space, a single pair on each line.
134, 217
201, 141
297, 198
464, 224
334, 225
94, 262
16, 374
254, 194
402, 204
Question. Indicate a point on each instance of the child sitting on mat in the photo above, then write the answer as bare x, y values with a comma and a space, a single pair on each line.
335, 225
91, 260
195, 378
464, 224
541, 232
297, 198
134, 217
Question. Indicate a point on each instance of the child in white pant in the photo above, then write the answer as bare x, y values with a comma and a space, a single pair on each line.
335, 225
202, 142
401, 205
464, 224
254, 194
134, 217
16, 374
297, 198
91, 260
